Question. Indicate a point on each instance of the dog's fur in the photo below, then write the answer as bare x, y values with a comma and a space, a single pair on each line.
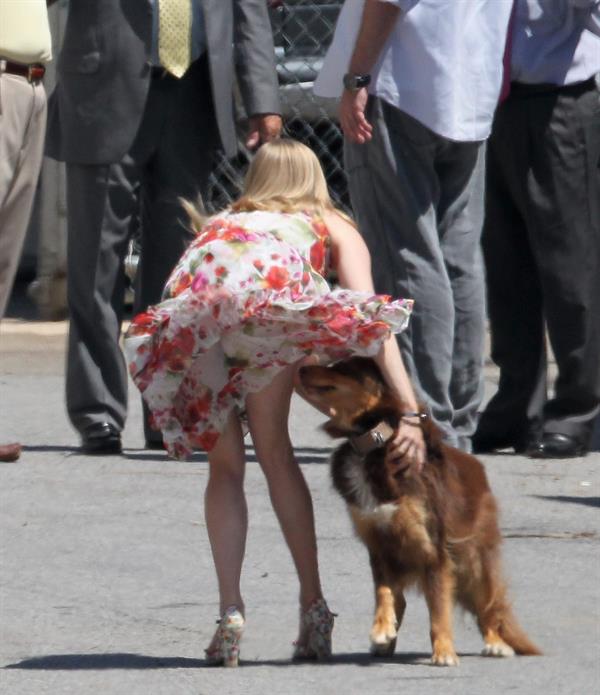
436, 528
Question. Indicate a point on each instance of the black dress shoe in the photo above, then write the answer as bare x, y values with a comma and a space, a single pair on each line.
554, 445
101, 438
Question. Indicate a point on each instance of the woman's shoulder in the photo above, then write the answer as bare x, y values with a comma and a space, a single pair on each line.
337, 223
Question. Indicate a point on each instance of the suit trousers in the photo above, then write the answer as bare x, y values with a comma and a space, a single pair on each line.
418, 200
22, 130
171, 158
542, 251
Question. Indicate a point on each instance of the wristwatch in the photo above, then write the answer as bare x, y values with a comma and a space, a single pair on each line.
354, 82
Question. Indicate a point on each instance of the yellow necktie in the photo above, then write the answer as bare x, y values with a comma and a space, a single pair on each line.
174, 35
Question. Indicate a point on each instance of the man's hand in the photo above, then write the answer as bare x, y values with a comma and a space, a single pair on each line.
352, 116
263, 127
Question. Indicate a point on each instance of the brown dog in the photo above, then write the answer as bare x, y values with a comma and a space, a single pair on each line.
436, 528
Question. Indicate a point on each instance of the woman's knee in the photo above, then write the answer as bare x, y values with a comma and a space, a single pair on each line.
227, 466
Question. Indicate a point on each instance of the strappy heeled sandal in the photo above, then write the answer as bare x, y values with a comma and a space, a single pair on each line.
316, 625
224, 649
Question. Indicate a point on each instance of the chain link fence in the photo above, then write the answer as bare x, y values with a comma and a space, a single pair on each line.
302, 32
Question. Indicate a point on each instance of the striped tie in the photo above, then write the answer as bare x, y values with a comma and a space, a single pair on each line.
174, 35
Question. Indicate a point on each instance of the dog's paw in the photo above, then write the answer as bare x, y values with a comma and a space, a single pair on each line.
383, 649
499, 648
445, 658
383, 640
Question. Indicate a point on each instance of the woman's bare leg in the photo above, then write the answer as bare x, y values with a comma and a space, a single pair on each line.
268, 413
226, 512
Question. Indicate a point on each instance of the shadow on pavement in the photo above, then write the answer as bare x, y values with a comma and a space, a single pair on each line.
93, 662
50, 447
587, 501
125, 661
303, 455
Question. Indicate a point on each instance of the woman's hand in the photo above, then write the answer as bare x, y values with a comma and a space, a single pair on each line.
407, 449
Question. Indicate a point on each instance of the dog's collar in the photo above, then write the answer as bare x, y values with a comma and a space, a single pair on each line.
375, 438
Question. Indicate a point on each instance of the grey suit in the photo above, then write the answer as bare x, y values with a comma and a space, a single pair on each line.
135, 141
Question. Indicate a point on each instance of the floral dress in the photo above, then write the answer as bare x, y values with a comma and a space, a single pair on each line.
247, 298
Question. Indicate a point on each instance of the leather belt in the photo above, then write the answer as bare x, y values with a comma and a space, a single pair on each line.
525, 89
33, 73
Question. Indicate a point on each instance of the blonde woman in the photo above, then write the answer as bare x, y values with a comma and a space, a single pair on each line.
247, 302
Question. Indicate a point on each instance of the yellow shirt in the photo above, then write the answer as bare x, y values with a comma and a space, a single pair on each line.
25, 31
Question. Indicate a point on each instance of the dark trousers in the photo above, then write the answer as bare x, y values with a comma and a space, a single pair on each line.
170, 158
541, 245
418, 199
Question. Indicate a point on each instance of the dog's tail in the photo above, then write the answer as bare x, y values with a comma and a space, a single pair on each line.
514, 635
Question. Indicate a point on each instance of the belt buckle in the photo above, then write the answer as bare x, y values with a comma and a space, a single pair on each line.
35, 73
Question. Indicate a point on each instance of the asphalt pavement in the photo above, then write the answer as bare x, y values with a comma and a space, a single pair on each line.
107, 586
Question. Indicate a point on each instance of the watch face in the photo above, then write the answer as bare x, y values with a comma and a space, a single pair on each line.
355, 82
349, 82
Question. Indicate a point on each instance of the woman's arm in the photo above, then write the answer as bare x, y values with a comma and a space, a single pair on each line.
351, 260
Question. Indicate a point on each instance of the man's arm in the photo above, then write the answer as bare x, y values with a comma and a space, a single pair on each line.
378, 21
255, 63
593, 22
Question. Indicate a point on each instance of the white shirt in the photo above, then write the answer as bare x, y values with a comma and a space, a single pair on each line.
25, 31
556, 41
442, 63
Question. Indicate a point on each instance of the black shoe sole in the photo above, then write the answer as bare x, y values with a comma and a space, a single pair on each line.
545, 454
102, 449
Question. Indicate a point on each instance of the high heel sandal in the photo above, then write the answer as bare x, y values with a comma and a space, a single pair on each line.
224, 648
316, 625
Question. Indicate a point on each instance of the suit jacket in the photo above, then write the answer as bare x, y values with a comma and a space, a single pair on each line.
103, 74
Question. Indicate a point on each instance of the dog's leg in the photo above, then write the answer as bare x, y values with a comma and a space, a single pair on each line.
400, 605
438, 587
385, 626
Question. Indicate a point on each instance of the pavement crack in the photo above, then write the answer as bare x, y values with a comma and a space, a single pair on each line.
575, 535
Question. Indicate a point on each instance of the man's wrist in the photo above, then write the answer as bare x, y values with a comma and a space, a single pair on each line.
354, 81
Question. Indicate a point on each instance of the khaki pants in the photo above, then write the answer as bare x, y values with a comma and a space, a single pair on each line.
22, 131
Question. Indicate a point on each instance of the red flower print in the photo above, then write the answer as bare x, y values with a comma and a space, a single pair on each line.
316, 312
184, 341
277, 278
317, 255
145, 323
238, 234
181, 283
198, 409
174, 354
320, 228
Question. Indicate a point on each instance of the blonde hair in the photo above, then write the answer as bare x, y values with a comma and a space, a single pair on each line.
284, 176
